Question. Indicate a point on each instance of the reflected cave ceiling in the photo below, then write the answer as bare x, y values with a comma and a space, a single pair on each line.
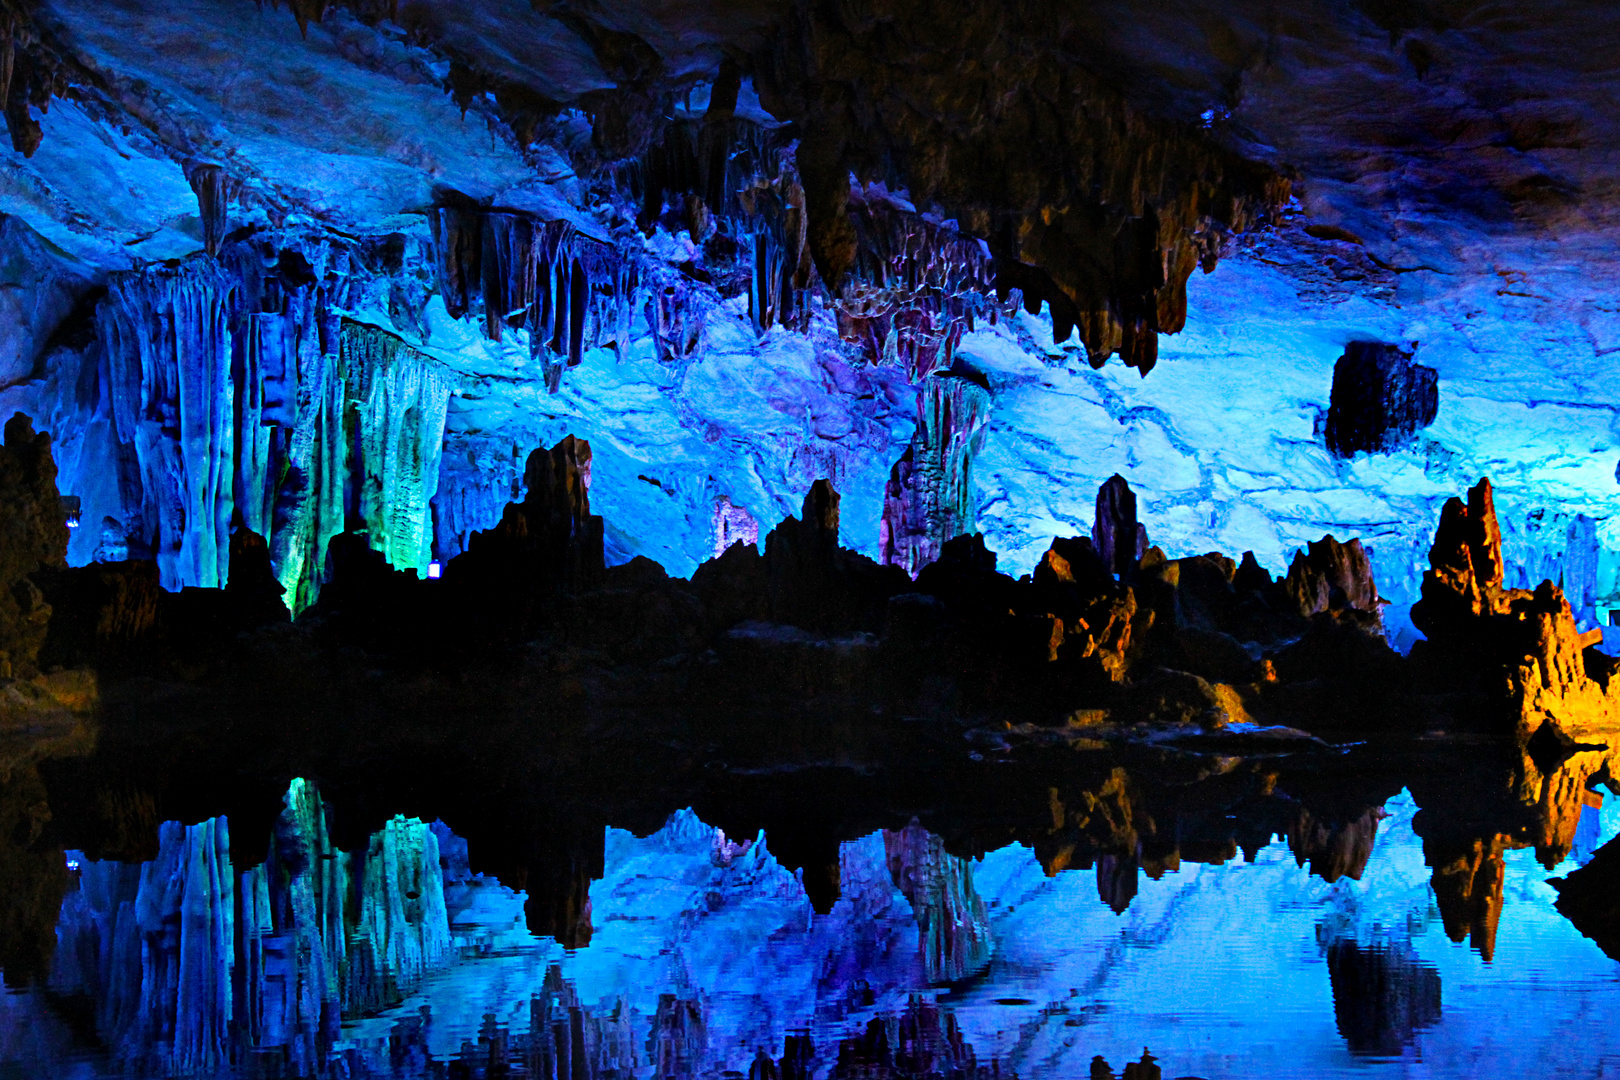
801, 225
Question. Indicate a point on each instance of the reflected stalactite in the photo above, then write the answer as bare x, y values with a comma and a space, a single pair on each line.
951, 919
1118, 877
1468, 889
190, 964
1334, 849
155, 948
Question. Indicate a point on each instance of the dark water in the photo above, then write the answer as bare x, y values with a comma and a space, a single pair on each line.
706, 959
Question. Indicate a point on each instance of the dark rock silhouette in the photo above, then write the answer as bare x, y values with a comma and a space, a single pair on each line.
1119, 538
33, 537
1590, 898
1382, 996
1379, 400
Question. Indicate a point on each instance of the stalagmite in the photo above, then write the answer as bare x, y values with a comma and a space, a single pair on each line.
1333, 576
1119, 538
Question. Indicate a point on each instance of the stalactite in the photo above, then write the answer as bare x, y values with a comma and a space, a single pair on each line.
167, 343
236, 391
30, 72
569, 291
396, 401
457, 255
929, 497
208, 181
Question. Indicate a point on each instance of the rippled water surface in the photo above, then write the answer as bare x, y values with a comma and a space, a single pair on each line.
706, 957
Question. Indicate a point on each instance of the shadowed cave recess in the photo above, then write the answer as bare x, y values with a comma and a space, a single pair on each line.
602, 538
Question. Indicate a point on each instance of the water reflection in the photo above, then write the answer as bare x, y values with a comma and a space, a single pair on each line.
1325, 949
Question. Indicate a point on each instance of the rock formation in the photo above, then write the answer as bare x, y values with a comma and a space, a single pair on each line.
1480, 632
1380, 399
33, 537
1119, 538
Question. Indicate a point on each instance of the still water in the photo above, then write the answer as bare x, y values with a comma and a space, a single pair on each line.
707, 959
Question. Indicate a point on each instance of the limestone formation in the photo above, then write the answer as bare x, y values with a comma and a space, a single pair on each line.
951, 919
1332, 577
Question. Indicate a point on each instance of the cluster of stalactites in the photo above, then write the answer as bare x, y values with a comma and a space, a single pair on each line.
1149, 254
915, 287
1087, 202
237, 393
569, 291
928, 499
914, 280
31, 73
734, 178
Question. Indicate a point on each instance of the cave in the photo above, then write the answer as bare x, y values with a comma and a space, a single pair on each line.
787, 539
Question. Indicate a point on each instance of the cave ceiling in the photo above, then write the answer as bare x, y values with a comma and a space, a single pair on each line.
1222, 194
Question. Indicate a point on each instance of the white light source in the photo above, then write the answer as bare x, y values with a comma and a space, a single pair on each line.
434, 569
